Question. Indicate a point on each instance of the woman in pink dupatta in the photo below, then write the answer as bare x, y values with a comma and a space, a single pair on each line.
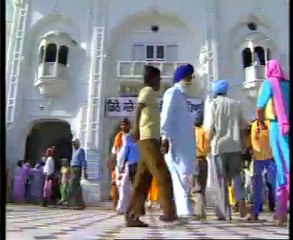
276, 88
21, 174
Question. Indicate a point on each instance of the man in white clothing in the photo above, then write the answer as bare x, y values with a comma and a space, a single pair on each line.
226, 131
48, 171
118, 152
178, 142
49, 167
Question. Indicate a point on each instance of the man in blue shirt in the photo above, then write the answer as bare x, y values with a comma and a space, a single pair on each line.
78, 162
132, 157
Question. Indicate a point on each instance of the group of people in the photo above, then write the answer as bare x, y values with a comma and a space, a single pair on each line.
175, 150
45, 184
123, 163
165, 156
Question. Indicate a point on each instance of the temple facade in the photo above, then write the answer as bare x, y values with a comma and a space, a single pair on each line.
74, 68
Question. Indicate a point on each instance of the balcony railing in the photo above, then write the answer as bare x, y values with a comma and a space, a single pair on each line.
254, 76
134, 69
253, 73
54, 70
51, 79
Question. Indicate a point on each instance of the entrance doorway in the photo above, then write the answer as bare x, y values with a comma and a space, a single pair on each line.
47, 134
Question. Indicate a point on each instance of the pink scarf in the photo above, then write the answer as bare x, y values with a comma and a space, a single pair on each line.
275, 75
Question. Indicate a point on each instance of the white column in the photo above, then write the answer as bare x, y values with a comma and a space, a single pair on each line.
42, 64
11, 43
212, 7
94, 188
56, 61
215, 8
251, 46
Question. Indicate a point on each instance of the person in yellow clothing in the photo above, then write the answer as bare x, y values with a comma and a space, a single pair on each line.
65, 176
232, 197
198, 190
262, 159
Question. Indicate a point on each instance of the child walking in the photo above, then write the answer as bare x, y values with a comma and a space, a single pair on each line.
198, 190
65, 175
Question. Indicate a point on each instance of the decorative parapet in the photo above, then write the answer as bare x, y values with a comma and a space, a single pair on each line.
133, 70
254, 76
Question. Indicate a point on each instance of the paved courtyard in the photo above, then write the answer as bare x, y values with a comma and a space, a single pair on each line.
28, 222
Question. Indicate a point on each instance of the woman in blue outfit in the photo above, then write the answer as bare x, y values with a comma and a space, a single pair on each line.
273, 104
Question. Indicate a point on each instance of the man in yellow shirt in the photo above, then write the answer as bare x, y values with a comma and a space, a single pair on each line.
262, 159
147, 132
200, 180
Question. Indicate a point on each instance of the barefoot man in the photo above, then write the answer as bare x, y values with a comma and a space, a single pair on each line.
152, 164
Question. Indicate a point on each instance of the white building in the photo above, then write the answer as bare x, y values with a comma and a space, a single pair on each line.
8, 32
66, 57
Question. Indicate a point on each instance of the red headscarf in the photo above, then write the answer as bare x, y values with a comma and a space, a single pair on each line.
49, 152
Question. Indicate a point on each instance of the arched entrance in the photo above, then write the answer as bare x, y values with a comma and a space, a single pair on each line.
46, 134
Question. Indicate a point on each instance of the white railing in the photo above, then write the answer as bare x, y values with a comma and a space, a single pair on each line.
51, 79
134, 69
52, 70
255, 73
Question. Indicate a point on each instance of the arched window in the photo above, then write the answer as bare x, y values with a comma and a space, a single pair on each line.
246, 58
42, 50
269, 55
63, 54
260, 55
51, 51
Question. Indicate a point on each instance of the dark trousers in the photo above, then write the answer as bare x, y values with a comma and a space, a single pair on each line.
152, 164
132, 169
198, 190
258, 167
74, 189
56, 190
225, 168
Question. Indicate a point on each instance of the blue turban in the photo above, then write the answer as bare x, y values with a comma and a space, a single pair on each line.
220, 87
190, 68
182, 72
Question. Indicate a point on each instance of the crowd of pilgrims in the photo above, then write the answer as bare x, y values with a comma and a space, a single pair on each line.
167, 157
51, 181
258, 174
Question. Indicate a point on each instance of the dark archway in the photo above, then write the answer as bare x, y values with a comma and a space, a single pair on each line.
47, 134
63, 54
246, 58
50, 53
269, 55
260, 54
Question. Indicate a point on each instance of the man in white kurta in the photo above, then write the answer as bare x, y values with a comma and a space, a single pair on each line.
179, 140
122, 181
